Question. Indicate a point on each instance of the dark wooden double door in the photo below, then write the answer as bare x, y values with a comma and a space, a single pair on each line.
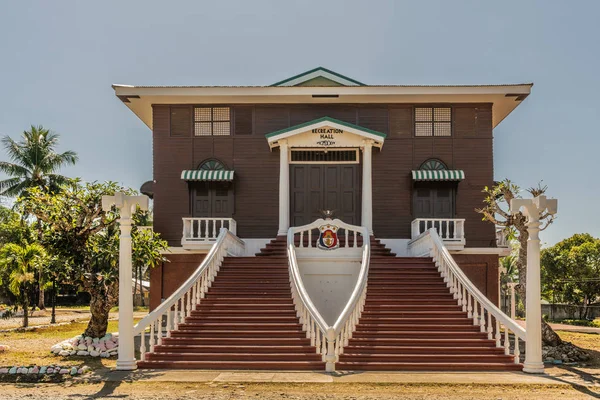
318, 187
212, 199
433, 200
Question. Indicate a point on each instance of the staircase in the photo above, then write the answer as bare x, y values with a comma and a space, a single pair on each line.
411, 322
246, 321
277, 246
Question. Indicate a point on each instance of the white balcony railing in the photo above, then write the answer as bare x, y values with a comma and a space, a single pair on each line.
205, 230
450, 230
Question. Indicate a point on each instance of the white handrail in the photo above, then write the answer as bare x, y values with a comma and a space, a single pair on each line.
329, 340
475, 303
181, 303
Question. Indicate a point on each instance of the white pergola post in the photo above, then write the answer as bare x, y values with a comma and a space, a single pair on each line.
125, 204
532, 209
367, 187
284, 188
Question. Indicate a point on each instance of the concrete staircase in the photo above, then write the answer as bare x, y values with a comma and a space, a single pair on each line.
411, 322
277, 246
246, 321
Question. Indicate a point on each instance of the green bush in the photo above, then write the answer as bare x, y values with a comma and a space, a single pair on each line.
581, 322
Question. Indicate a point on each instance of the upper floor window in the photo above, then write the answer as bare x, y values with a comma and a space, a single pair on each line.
212, 121
433, 121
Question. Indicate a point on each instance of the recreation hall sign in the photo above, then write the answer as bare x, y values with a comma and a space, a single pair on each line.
326, 136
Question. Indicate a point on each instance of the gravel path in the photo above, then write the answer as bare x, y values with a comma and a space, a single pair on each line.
172, 391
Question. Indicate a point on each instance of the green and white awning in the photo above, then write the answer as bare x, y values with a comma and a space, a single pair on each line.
204, 175
438, 175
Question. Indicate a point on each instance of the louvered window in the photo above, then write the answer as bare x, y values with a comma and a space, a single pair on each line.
212, 121
433, 121
324, 156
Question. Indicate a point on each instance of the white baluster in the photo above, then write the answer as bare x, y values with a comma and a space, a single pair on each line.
214, 234
310, 238
448, 228
489, 325
159, 330
169, 322
206, 226
498, 334
143, 345
517, 352
152, 337
176, 315
469, 306
506, 342
482, 318
347, 234
355, 239
475, 315
301, 238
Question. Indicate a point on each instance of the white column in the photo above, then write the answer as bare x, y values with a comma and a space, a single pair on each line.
284, 188
367, 186
126, 358
532, 208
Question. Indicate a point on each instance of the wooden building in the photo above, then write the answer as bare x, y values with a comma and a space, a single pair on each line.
396, 159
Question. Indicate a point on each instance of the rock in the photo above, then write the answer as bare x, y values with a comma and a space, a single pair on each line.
32, 370
82, 347
549, 360
94, 353
83, 353
64, 353
73, 370
3, 370
43, 370
95, 340
12, 371
72, 352
63, 371
104, 354
86, 369
80, 371
110, 345
557, 362
50, 370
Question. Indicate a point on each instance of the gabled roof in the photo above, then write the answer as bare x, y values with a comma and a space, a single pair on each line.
319, 77
367, 133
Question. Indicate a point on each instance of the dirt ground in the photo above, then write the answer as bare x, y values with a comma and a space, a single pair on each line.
345, 391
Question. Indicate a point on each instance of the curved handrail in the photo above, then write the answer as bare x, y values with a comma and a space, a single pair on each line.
179, 305
475, 303
329, 340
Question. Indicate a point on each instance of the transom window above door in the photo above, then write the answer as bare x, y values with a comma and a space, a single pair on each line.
212, 121
433, 121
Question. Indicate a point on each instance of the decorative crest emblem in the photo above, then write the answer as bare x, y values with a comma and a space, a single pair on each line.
328, 238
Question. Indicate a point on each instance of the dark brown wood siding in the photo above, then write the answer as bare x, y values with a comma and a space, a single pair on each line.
256, 183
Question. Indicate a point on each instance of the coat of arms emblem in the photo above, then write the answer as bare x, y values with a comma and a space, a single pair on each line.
328, 238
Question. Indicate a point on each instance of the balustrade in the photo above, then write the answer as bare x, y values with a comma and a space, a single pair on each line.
202, 230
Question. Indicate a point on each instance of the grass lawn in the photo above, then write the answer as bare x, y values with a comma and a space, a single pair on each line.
589, 341
33, 346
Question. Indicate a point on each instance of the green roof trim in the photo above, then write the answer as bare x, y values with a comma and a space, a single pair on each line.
315, 70
325, 119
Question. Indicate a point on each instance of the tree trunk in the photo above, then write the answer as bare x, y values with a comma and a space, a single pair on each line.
41, 302
102, 299
25, 309
53, 320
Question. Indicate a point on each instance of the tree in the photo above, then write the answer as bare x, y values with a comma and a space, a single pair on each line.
34, 164
496, 210
22, 262
86, 238
147, 253
571, 271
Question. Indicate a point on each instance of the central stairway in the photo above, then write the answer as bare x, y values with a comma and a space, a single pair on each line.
411, 322
246, 321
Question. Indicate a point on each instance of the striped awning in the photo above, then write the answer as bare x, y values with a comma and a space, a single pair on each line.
438, 175
204, 175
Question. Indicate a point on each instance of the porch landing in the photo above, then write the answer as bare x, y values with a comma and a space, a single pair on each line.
437, 378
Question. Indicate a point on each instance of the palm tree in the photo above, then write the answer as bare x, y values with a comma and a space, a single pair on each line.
23, 262
34, 162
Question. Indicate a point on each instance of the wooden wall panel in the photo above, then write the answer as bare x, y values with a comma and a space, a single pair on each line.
392, 184
483, 271
257, 168
401, 122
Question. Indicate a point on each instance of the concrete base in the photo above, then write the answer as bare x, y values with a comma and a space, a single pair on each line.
467, 378
126, 365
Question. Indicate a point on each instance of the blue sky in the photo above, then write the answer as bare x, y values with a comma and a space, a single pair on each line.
58, 60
